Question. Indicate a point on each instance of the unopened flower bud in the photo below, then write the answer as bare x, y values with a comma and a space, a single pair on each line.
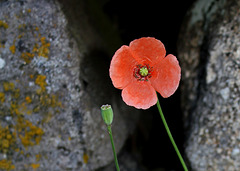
107, 114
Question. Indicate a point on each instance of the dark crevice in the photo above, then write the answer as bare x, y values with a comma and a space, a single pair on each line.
162, 21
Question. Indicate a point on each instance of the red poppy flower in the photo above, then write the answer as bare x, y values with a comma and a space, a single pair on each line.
141, 69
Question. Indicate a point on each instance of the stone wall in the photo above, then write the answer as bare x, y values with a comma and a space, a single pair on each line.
209, 53
53, 80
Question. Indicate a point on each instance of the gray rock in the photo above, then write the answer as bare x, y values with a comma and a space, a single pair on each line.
126, 163
53, 80
209, 52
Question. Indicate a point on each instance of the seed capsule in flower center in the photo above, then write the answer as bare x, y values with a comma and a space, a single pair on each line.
143, 71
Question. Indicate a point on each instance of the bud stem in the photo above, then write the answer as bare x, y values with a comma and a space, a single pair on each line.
113, 147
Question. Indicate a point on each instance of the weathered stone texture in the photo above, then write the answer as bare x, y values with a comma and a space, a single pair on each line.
209, 52
53, 80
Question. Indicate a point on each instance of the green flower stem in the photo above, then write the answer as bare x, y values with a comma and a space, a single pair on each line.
113, 147
171, 137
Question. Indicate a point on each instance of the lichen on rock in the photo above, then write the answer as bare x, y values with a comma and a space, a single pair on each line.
51, 89
210, 84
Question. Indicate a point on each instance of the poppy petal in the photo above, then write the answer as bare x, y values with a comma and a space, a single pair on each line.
121, 67
139, 94
148, 50
166, 76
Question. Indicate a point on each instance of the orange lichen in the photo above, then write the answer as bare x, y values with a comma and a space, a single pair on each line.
35, 165
85, 158
41, 81
43, 39
35, 48
21, 133
16, 93
6, 165
2, 97
38, 157
12, 49
50, 100
21, 35
14, 109
44, 48
3, 24
28, 99
7, 139
21, 26
24, 109
40, 47
27, 57
8, 86
28, 133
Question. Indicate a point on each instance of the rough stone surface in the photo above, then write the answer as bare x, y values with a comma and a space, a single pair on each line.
53, 80
126, 163
209, 52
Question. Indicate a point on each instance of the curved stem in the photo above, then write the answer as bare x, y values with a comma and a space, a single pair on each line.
113, 147
171, 137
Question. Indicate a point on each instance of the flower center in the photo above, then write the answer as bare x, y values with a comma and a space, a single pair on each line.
142, 72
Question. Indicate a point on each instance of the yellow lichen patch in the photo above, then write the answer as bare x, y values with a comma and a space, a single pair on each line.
16, 93
29, 134
6, 165
22, 26
39, 48
27, 57
35, 165
43, 40
3, 24
31, 76
29, 10
8, 86
7, 139
14, 109
41, 81
2, 97
21, 35
44, 48
12, 49
21, 133
38, 157
35, 48
28, 99
50, 101
85, 158
24, 109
